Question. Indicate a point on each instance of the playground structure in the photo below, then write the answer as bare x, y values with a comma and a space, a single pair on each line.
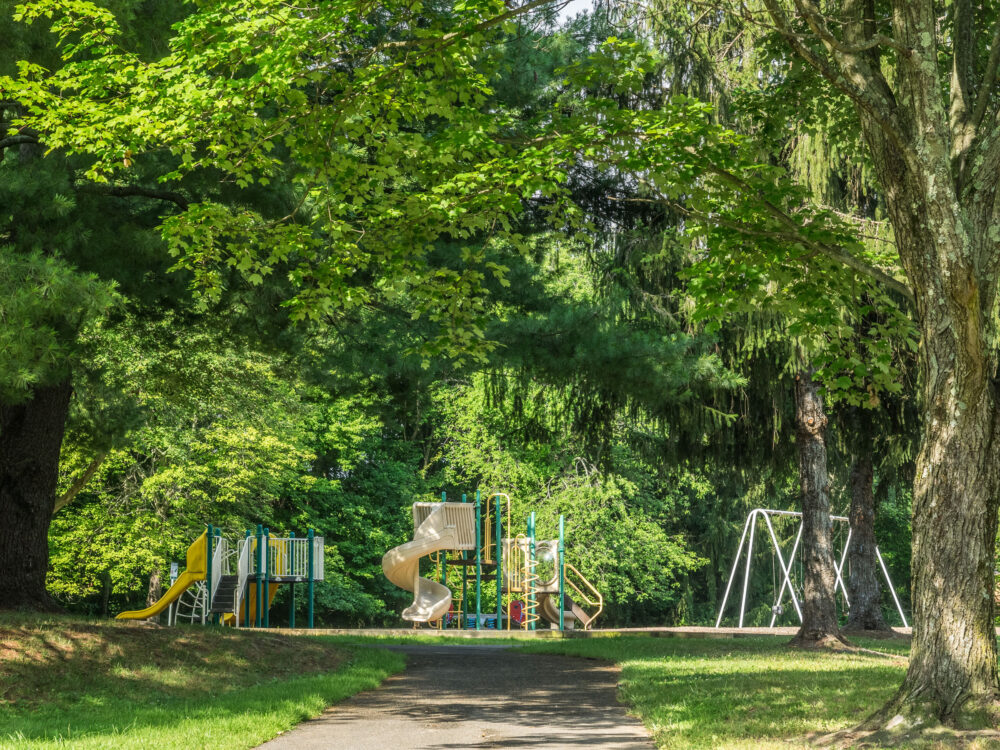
238, 586
532, 573
787, 570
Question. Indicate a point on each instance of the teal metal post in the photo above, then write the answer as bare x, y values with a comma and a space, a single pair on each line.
291, 586
209, 541
562, 574
312, 568
246, 594
259, 614
532, 566
499, 558
479, 562
463, 621
444, 555
267, 575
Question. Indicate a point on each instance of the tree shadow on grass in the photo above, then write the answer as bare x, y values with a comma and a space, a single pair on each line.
748, 705
239, 717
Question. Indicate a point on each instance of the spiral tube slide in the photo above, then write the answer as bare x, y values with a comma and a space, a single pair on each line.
401, 565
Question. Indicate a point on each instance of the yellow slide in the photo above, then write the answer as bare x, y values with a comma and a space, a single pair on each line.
197, 566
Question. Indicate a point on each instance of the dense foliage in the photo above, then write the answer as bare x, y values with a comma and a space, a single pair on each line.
440, 248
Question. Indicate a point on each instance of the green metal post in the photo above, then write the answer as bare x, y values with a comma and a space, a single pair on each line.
267, 577
562, 574
209, 540
291, 586
499, 559
479, 562
443, 553
532, 565
465, 586
246, 594
312, 567
259, 614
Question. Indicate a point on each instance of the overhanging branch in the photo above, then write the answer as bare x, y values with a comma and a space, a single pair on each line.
138, 191
874, 99
80, 482
16, 140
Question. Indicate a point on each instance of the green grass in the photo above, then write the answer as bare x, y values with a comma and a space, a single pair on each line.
69, 683
742, 693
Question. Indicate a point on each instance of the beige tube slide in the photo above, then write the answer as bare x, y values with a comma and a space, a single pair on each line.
401, 565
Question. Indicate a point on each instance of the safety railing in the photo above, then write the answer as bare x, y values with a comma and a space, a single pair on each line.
220, 560
593, 599
244, 567
287, 557
492, 519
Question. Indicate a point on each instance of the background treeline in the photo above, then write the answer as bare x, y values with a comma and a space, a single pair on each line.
600, 397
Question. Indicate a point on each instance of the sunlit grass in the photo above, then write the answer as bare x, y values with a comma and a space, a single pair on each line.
72, 683
745, 692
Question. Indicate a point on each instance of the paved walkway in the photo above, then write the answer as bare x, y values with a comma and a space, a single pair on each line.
485, 696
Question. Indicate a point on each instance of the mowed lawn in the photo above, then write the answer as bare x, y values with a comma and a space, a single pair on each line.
743, 692
70, 683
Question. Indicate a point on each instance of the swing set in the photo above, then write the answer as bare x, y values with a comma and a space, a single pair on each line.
747, 539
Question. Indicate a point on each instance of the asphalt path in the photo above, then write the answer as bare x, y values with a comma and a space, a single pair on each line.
479, 697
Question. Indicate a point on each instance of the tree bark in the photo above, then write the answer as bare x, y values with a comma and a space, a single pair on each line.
105, 592
819, 605
944, 245
864, 589
31, 435
154, 589
944, 218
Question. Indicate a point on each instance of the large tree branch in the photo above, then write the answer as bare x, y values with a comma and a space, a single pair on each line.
961, 114
137, 191
16, 140
989, 80
817, 23
833, 252
791, 235
81, 481
963, 33
865, 87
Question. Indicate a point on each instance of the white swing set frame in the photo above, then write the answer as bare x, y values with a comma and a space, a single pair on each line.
751, 526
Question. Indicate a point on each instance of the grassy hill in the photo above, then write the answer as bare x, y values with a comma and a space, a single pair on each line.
85, 684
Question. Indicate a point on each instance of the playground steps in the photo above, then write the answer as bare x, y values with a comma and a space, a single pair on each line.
224, 598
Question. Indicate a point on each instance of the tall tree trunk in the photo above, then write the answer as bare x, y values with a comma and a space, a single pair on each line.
105, 592
819, 606
938, 165
155, 588
31, 435
952, 674
944, 245
942, 224
863, 586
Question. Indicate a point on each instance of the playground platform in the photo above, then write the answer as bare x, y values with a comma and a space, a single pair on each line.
664, 632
